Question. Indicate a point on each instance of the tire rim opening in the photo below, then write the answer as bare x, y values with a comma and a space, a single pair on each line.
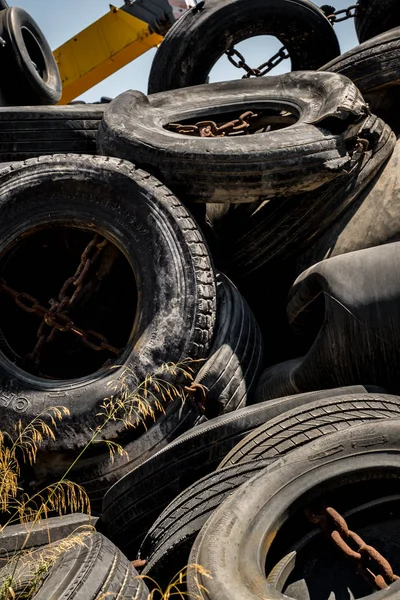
236, 122
67, 303
34, 51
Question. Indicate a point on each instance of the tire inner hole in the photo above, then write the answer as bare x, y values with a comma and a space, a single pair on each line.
34, 51
238, 122
58, 330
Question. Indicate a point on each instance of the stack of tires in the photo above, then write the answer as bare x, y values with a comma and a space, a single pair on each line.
252, 227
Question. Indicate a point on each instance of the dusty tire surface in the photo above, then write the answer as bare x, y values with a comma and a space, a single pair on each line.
328, 113
166, 252
169, 540
195, 43
253, 238
30, 73
375, 17
265, 502
345, 310
371, 65
231, 371
372, 220
27, 132
135, 501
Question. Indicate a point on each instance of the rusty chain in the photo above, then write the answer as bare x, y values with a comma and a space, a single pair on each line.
334, 16
60, 322
335, 527
74, 286
263, 69
246, 123
54, 317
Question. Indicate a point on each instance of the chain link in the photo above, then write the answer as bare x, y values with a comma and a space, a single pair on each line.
59, 321
263, 69
68, 295
366, 557
334, 15
247, 123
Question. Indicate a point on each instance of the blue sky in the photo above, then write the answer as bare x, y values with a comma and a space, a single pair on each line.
62, 19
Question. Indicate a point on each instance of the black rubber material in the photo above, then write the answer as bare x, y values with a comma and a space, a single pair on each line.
374, 64
232, 369
278, 229
375, 17
372, 220
26, 132
92, 571
319, 147
98, 473
51, 530
301, 425
230, 375
30, 74
115, 198
252, 517
170, 538
135, 501
345, 310
198, 39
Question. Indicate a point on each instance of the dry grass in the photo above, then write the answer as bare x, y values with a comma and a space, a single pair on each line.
129, 404
177, 587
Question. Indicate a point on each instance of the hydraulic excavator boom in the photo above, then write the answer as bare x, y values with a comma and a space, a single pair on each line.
113, 41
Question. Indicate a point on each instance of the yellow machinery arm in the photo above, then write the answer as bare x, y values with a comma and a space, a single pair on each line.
100, 50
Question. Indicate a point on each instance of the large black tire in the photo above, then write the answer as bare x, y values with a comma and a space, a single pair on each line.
176, 302
198, 39
372, 220
254, 515
229, 374
30, 74
329, 115
374, 64
134, 503
375, 17
265, 235
232, 369
27, 132
345, 309
170, 538
90, 570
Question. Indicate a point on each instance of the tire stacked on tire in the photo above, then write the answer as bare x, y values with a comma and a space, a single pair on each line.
281, 418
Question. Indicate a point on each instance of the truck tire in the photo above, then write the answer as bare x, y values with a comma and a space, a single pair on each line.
321, 145
368, 453
175, 306
30, 74
90, 570
201, 36
232, 369
229, 374
302, 425
372, 65
170, 538
372, 220
276, 230
375, 17
27, 132
135, 501
345, 310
